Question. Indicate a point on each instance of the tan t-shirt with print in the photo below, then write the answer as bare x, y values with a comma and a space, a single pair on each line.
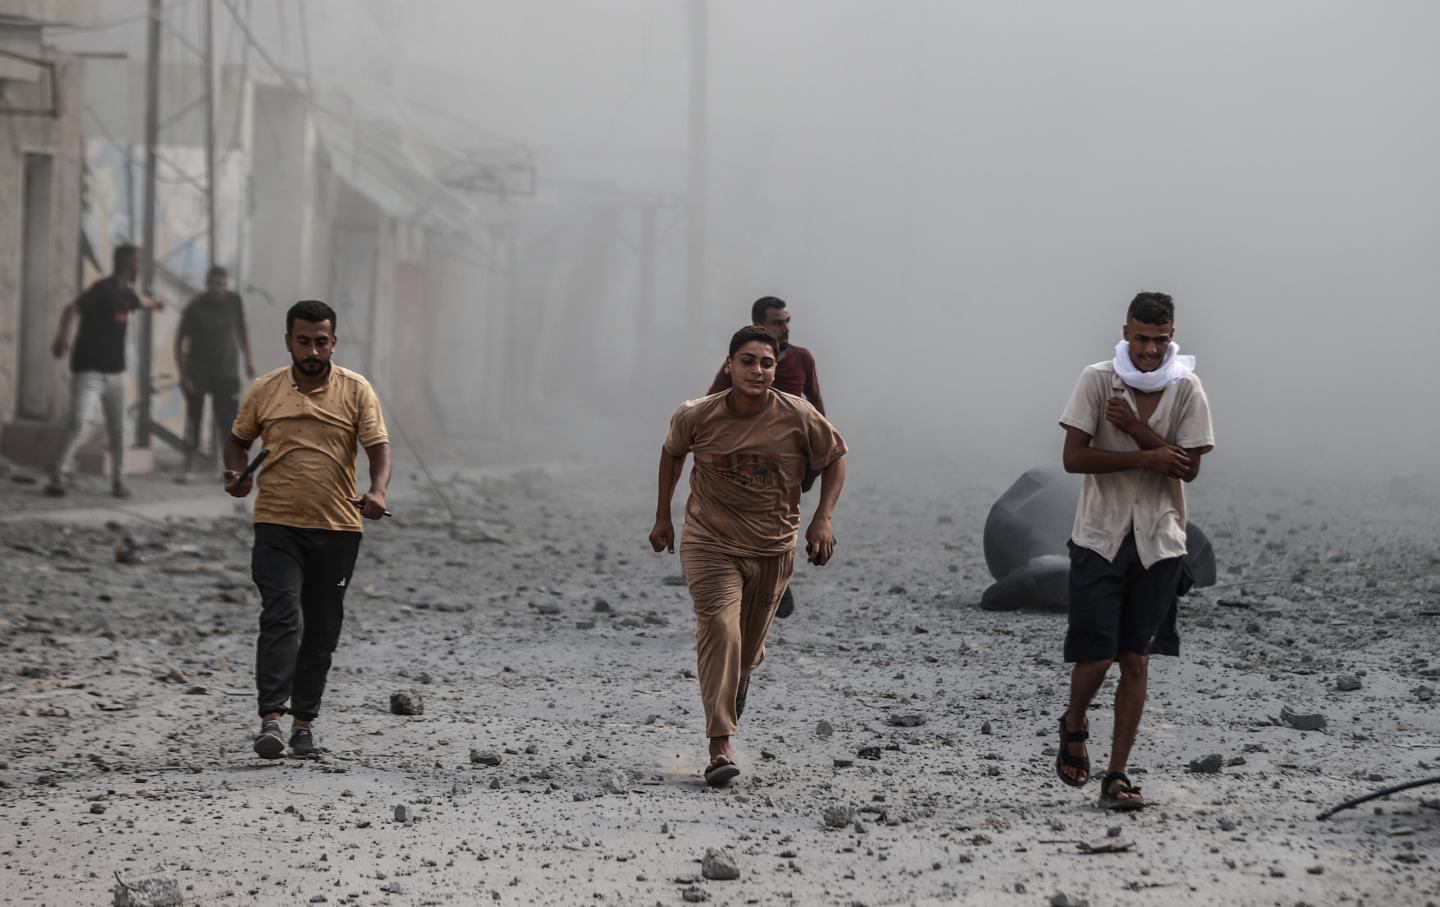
745, 485
308, 480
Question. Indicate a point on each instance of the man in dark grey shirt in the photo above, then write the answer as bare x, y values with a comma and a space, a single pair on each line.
208, 345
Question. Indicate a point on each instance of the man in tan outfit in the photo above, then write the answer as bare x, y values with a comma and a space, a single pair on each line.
752, 447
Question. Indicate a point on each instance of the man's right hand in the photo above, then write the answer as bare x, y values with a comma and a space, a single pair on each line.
1168, 461
60, 347
236, 488
662, 537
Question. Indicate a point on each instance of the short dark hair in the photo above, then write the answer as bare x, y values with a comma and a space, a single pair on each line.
123, 252
763, 305
310, 310
216, 272
1151, 308
751, 333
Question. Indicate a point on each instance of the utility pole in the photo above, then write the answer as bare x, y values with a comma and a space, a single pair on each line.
152, 138
698, 175
210, 107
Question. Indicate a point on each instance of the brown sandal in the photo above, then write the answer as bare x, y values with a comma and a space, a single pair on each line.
720, 771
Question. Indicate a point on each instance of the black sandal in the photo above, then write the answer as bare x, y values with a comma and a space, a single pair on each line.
720, 771
1115, 803
1064, 760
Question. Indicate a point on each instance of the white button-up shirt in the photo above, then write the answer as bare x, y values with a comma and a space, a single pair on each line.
1112, 505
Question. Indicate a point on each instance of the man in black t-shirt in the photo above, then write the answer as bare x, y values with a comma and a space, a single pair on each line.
208, 345
97, 364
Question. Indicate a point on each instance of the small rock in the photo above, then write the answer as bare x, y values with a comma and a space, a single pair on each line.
838, 816
985, 728
406, 704
1228, 825
1061, 899
694, 894
1347, 682
823, 729
617, 783
869, 752
601, 606
674, 581
494, 783
1310, 721
1113, 831
1316, 870
1425, 693
403, 813
1209, 765
719, 866
393, 887
98, 808
484, 757
860, 828
911, 720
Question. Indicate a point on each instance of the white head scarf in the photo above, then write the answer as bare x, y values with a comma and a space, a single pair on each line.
1172, 368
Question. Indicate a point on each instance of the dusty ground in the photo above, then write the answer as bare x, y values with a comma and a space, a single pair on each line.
540, 628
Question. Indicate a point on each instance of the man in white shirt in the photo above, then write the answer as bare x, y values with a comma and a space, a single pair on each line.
1136, 427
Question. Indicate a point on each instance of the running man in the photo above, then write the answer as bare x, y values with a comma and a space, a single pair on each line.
1136, 428
208, 346
97, 365
310, 415
794, 374
752, 447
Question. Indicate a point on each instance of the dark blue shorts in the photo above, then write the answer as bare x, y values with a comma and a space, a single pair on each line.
1119, 606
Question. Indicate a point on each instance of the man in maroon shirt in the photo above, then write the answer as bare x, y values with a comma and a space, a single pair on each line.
794, 375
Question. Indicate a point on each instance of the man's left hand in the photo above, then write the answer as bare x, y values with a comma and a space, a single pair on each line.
820, 542
371, 504
1119, 414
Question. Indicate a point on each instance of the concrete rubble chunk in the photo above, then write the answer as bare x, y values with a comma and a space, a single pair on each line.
911, 720
1207, 765
484, 757
405, 703
152, 888
1347, 682
1060, 899
403, 813
823, 729
1303, 721
719, 865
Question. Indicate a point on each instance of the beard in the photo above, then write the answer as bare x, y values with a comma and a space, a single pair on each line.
311, 368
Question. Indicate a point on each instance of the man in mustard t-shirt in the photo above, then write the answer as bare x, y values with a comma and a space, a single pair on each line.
310, 415
752, 447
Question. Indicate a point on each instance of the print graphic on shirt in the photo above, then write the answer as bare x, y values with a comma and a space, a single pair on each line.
341, 584
749, 470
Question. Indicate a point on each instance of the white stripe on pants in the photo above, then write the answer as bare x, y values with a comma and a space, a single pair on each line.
86, 389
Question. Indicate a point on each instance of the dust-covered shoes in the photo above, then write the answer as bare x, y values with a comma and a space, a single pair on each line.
302, 743
270, 744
